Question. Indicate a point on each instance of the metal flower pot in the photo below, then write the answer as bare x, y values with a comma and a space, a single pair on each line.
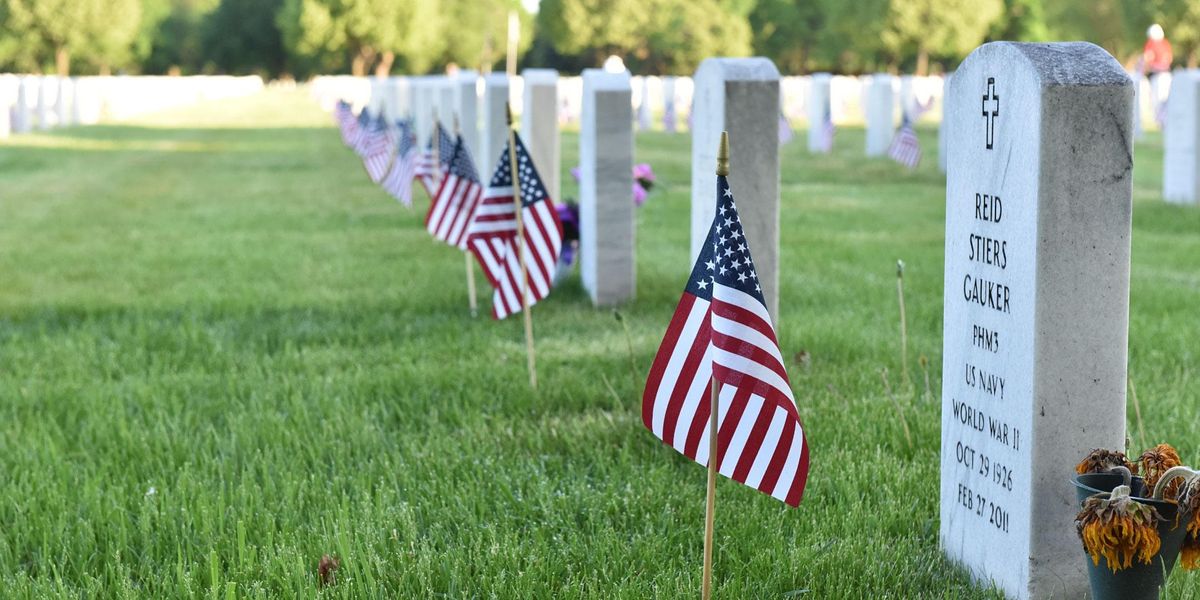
1140, 581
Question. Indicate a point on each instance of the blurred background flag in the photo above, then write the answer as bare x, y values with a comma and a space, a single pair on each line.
906, 148
399, 179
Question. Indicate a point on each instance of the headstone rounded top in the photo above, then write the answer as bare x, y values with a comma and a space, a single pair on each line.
752, 68
496, 78
539, 76
1058, 63
599, 79
468, 74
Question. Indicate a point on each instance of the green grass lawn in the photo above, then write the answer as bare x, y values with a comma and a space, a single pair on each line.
225, 353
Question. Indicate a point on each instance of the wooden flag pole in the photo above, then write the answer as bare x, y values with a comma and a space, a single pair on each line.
467, 255
903, 323
710, 504
518, 208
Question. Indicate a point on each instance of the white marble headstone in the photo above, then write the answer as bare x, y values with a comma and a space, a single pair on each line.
467, 98
643, 111
943, 134
819, 109
1181, 140
447, 102
422, 108
881, 113
741, 96
495, 124
539, 125
669, 114
22, 120
606, 211
1038, 207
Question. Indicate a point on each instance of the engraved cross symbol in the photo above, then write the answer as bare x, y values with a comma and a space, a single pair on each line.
990, 117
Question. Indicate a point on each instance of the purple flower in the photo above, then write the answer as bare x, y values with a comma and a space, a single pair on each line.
642, 171
643, 181
639, 194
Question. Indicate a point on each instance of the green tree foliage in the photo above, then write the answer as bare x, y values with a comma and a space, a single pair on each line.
481, 32
787, 31
240, 37
1119, 26
98, 30
178, 42
326, 34
943, 28
664, 36
1023, 20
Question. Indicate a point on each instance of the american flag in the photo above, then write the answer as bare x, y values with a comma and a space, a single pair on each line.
399, 179
826, 133
906, 148
492, 236
721, 329
343, 115
377, 149
362, 132
428, 169
452, 208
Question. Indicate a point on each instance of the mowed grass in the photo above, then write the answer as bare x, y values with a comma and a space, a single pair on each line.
224, 353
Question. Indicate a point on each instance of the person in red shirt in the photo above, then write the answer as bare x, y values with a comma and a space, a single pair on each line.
1156, 60
1156, 54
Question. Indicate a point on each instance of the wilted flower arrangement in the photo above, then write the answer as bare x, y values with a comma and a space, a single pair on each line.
1124, 529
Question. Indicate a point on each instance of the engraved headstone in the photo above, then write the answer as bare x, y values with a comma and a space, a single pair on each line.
606, 210
1181, 156
741, 96
495, 127
1038, 207
819, 110
881, 113
539, 125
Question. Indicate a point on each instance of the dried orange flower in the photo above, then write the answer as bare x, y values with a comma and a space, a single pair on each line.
1118, 528
1101, 460
1189, 503
1155, 463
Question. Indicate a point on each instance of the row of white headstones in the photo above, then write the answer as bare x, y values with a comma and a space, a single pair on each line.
43, 102
1037, 260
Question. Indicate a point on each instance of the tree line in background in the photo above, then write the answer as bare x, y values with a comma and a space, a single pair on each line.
304, 37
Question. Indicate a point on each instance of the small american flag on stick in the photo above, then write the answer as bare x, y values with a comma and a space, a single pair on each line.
454, 204
429, 167
377, 150
721, 331
906, 148
359, 130
399, 179
493, 232
343, 115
